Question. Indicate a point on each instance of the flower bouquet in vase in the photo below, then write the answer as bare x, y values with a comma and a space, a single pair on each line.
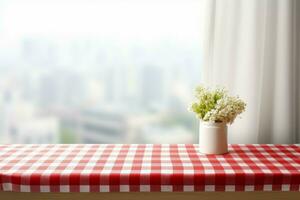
216, 109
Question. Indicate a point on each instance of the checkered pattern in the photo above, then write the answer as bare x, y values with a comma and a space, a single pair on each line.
147, 168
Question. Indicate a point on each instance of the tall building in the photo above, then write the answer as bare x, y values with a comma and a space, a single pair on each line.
152, 84
61, 88
22, 123
116, 84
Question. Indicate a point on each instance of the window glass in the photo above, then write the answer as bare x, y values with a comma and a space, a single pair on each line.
98, 71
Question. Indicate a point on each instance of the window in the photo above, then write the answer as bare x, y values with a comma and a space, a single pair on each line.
99, 71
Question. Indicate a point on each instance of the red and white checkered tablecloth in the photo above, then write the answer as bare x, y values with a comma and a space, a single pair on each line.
147, 168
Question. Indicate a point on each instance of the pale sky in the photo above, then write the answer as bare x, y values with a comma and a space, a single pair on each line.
114, 18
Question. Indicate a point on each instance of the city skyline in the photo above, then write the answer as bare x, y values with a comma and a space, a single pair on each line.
58, 74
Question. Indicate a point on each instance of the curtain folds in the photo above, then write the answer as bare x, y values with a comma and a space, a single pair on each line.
253, 49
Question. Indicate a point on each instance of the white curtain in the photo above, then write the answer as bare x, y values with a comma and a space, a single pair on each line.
252, 48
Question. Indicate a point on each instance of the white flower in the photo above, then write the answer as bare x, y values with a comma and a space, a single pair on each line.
216, 105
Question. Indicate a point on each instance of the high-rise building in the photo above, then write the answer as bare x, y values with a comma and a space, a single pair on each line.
22, 123
152, 85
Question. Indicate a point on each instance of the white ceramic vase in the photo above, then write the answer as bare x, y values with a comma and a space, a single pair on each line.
213, 138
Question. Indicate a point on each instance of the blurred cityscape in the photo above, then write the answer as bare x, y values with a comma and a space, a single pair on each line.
84, 89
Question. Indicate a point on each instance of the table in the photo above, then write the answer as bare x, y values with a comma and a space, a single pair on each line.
120, 169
